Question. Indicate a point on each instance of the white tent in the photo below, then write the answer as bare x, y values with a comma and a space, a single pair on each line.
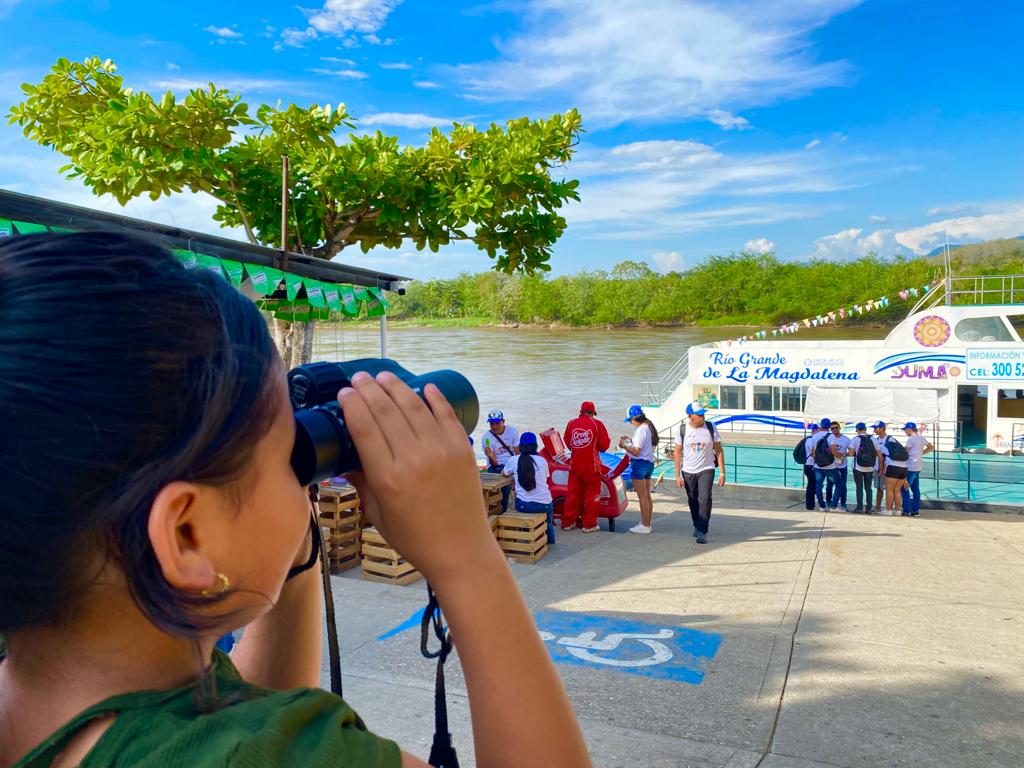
892, 406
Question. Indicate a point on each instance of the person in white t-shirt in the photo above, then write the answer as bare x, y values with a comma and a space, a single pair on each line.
865, 464
835, 490
893, 470
500, 443
530, 471
641, 463
917, 448
698, 448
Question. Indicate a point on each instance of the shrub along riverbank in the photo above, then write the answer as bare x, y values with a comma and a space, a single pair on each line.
741, 289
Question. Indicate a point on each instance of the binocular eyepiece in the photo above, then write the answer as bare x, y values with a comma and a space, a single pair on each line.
323, 446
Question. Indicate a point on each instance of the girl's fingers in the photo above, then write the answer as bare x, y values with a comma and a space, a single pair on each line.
390, 420
415, 411
374, 452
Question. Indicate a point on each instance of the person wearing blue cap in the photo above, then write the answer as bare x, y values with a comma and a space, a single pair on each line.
641, 463
812, 490
530, 471
698, 448
917, 448
500, 443
892, 466
865, 462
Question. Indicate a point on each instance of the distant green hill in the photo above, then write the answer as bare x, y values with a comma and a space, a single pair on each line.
996, 255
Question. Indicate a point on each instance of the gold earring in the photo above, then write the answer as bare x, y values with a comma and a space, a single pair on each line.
225, 585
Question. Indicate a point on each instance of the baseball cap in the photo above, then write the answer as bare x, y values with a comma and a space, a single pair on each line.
860, 425
878, 424
527, 438
910, 425
695, 409
814, 427
825, 423
634, 411
589, 407
495, 416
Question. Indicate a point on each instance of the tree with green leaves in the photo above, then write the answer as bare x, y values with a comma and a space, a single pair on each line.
494, 187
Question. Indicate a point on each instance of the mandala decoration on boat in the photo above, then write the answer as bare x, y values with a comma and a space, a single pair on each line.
931, 331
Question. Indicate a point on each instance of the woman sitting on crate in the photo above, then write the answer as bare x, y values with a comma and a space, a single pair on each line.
531, 475
156, 394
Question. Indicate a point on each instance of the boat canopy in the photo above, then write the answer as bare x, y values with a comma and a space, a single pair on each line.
891, 405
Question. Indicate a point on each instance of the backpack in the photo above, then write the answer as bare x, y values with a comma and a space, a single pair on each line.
800, 451
823, 456
896, 450
865, 452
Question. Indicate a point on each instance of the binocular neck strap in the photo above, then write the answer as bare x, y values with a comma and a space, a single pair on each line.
442, 753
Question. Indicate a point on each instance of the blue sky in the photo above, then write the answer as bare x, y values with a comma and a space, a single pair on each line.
813, 128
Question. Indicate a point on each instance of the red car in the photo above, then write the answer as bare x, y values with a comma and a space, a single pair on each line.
613, 490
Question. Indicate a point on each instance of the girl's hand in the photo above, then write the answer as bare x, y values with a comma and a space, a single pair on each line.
420, 486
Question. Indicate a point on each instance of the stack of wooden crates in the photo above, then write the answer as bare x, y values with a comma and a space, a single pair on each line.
384, 564
342, 523
523, 537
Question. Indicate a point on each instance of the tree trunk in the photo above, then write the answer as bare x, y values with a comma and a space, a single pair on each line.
294, 342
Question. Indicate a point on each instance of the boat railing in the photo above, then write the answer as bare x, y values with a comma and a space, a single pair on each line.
656, 392
974, 290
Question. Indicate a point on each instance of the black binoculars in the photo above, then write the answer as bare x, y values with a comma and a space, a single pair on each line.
323, 446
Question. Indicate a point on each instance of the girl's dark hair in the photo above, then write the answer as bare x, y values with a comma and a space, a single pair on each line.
120, 371
525, 469
642, 418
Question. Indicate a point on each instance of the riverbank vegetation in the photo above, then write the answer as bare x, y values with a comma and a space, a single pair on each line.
740, 289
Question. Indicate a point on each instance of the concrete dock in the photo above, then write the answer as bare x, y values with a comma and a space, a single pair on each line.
793, 639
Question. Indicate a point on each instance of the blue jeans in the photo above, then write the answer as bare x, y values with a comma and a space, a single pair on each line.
914, 480
820, 476
640, 469
536, 507
835, 488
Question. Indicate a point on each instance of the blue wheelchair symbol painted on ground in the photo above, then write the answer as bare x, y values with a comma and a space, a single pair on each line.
633, 647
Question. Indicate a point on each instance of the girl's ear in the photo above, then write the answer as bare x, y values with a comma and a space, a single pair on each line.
178, 522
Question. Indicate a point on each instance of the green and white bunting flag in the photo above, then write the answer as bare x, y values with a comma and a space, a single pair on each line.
350, 306
293, 284
235, 271
314, 292
187, 258
6, 228
333, 297
28, 228
210, 263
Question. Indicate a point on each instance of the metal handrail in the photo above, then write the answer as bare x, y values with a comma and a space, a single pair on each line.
976, 290
655, 392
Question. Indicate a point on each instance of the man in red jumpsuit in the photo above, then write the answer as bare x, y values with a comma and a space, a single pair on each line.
585, 436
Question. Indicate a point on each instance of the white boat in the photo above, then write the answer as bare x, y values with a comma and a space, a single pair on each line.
954, 366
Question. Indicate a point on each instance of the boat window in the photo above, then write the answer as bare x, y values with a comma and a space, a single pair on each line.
1011, 405
982, 329
1017, 321
763, 398
733, 397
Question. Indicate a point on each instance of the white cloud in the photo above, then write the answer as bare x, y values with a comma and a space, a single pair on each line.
660, 60
425, 84
666, 188
812, 143
760, 245
727, 121
1006, 221
668, 261
250, 84
341, 17
957, 209
395, 65
345, 74
170, 66
878, 219
415, 120
849, 244
336, 60
223, 32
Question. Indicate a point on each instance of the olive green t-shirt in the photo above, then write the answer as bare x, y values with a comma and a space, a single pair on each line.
238, 725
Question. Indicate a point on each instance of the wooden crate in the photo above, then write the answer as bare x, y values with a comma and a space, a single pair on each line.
341, 522
523, 537
491, 484
382, 563
493, 521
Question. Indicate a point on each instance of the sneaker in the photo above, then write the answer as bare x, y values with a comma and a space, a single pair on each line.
570, 527
843, 507
906, 514
702, 539
869, 511
858, 510
592, 529
640, 528
915, 514
833, 509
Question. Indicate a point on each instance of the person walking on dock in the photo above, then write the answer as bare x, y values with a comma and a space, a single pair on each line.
586, 437
865, 463
641, 463
917, 448
698, 449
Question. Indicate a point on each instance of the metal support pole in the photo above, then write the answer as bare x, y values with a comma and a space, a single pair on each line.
284, 204
383, 335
